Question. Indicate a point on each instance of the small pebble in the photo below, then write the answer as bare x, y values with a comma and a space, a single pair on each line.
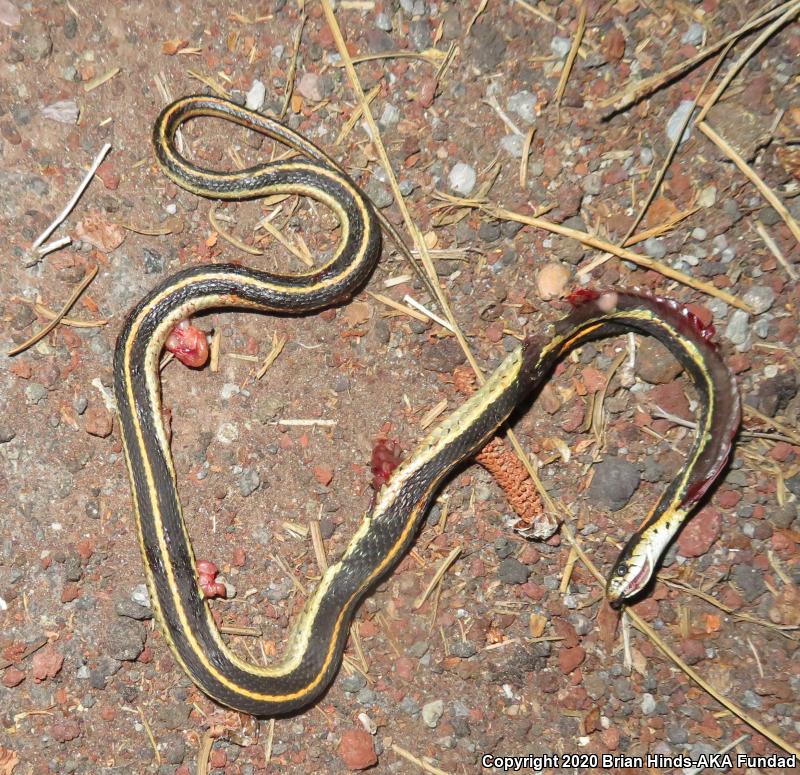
513, 145
462, 179
738, 329
523, 103
256, 95
614, 482
699, 234
312, 87
694, 35
560, 46
760, 298
249, 482
676, 120
655, 247
552, 280
512, 571
432, 713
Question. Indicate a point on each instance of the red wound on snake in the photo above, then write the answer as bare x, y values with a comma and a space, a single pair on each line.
385, 458
188, 344
581, 296
207, 579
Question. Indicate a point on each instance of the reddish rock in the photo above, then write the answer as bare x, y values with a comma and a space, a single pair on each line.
13, 677
98, 421
66, 730
47, 663
613, 45
70, 592
404, 667
574, 415
610, 738
701, 532
727, 499
570, 659
671, 398
323, 475
107, 174
693, 651
356, 750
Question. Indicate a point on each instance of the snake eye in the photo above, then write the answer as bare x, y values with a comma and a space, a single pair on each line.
622, 569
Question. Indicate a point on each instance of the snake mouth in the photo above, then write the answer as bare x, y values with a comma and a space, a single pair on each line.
638, 581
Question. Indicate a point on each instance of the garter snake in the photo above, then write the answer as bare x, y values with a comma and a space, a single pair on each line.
317, 640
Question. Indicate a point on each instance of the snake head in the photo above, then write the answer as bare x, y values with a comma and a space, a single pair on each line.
632, 571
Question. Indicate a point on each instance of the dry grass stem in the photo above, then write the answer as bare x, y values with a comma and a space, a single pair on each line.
228, 237
90, 275
636, 258
414, 760
150, 736
641, 89
100, 80
298, 253
248, 632
318, 544
792, 8
476, 16
523, 162
437, 577
776, 251
355, 116
425, 311
744, 617
220, 91
396, 305
573, 52
751, 175
661, 228
61, 217
203, 752
290, 77
278, 343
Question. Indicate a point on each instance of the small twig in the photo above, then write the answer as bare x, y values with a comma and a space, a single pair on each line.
389, 302
100, 80
523, 162
203, 752
49, 247
751, 175
61, 217
289, 88
150, 737
425, 311
302, 423
437, 577
409, 756
573, 52
641, 89
278, 343
776, 251
48, 314
90, 275
636, 258
792, 9
228, 237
